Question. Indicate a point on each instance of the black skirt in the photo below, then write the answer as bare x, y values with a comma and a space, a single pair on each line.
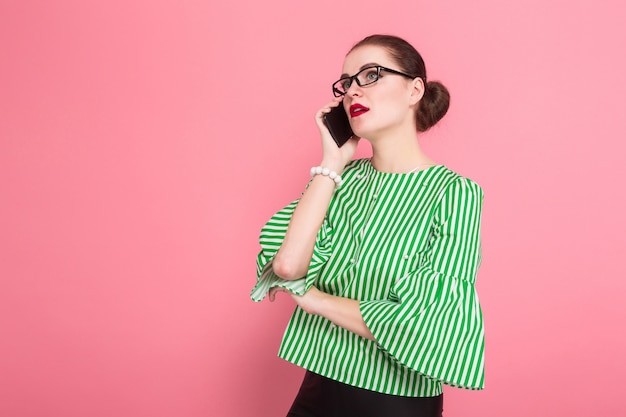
323, 397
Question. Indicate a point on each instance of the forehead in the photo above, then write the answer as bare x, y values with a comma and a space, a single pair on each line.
366, 54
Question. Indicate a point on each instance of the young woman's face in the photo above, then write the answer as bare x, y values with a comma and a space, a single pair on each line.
384, 107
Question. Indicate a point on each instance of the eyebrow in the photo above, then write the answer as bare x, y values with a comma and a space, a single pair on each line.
371, 64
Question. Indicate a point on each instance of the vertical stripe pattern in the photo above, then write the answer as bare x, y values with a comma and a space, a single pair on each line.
408, 247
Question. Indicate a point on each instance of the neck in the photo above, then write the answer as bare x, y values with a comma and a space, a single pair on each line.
401, 154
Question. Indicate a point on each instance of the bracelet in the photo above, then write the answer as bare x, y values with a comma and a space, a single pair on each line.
328, 173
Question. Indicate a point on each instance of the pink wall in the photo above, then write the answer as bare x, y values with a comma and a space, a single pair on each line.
144, 143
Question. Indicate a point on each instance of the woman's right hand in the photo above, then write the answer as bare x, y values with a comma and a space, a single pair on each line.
334, 157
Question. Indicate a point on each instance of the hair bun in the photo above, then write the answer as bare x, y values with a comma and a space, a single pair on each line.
433, 106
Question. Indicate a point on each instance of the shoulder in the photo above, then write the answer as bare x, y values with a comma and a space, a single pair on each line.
457, 196
354, 170
452, 182
356, 165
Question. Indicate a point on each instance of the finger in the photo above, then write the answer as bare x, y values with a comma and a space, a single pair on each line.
336, 102
273, 291
329, 106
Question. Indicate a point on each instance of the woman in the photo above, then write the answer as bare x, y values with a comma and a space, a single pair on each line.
379, 254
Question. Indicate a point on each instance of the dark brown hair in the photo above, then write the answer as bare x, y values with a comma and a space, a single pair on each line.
436, 100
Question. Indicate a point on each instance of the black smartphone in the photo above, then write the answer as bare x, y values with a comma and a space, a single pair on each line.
338, 125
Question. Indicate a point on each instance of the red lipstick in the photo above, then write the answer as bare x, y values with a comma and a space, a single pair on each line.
357, 110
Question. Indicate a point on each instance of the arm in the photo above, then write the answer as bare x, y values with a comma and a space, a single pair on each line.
344, 312
294, 256
436, 306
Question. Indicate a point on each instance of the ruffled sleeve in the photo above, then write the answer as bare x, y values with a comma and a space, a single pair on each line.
272, 236
432, 322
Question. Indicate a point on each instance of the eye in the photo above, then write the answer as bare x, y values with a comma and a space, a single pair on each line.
345, 83
371, 75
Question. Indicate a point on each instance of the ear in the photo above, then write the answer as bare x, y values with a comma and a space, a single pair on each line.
417, 91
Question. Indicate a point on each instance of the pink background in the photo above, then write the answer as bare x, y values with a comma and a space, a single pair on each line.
144, 143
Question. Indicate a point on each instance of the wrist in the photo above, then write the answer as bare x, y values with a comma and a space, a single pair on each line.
333, 165
326, 172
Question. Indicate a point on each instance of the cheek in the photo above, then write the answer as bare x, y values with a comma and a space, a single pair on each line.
392, 109
391, 95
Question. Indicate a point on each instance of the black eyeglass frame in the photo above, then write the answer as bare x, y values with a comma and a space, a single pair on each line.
354, 78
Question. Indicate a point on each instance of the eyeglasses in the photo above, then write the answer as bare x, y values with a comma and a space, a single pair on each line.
364, 77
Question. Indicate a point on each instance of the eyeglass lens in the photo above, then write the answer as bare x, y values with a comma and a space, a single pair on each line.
364, 77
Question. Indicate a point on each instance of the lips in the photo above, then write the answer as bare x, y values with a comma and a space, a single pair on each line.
357, 110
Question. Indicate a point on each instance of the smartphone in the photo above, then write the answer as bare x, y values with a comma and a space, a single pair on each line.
338, 125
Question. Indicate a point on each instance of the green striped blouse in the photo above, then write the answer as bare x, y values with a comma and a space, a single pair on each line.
408, 247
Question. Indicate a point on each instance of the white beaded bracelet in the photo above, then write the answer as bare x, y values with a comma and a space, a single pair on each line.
328, 173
